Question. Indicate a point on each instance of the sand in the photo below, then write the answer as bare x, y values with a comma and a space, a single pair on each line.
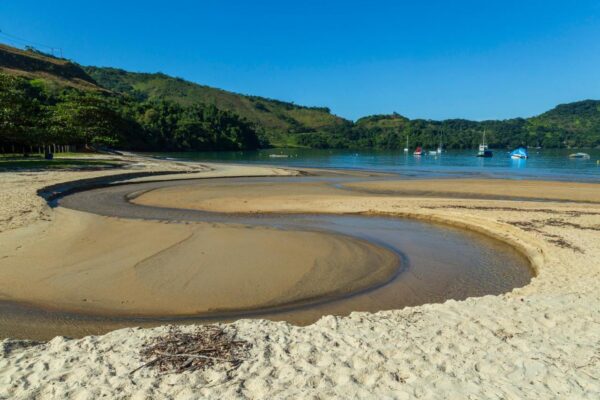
528, 189
99, 265
540, 341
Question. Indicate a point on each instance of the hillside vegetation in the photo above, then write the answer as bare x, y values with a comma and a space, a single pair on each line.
45, 100
568, 125
277, 121
36, 65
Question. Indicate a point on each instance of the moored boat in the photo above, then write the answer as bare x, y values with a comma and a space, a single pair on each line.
583, 156
519, 153
418, 151
483, 149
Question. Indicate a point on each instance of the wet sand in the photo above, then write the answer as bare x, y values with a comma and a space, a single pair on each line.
92, 264
539, 341
155, 264
257, 196
484, 188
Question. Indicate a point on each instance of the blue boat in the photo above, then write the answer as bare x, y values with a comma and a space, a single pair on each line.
519, 153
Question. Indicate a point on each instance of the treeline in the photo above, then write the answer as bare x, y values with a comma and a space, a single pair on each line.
34, 114
567, 126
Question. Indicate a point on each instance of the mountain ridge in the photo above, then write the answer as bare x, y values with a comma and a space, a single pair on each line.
182, 108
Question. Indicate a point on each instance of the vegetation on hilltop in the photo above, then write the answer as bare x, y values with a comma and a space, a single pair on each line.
277, 121
45, 100
34, 64
568, 125
32, 115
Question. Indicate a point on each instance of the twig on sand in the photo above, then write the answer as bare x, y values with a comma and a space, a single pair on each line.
202, 348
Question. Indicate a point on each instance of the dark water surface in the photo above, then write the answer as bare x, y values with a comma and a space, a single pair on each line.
438, 263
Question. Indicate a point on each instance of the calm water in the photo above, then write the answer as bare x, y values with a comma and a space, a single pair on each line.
542, 164
465, 264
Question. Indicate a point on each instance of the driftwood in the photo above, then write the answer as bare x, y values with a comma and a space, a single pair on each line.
207, 345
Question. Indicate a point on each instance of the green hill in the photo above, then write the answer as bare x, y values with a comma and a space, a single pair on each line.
567, 125
574, 124
33, 64
279, 121
47, 100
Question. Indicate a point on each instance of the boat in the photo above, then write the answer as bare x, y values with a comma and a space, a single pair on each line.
406, 148
418, 151
519, 153
439, 149
433, 153
278, 155
483, 149
583, 156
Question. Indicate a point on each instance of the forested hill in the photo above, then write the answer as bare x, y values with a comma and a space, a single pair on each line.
279, 121
567, 125
47, 100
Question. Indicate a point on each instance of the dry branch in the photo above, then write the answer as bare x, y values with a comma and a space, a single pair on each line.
178, 351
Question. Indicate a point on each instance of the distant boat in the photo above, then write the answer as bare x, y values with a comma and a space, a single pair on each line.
278, 155
583, 156
418, 151
406, 148
519, 153
433, 153
483, 149
439, 149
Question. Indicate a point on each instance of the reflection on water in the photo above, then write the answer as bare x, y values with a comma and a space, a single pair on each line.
518, 163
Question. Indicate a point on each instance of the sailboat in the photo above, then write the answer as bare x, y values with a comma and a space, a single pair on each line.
483, 149
439, 149
406, 148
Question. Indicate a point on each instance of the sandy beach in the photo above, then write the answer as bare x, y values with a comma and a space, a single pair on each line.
95, 264
538, 341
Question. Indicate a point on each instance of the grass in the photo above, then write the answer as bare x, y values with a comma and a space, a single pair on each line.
37, 156
38, 163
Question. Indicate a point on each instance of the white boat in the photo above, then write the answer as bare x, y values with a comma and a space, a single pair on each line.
406, 148
439, 149
278, 155
583, 156
433, 153
483, 149
520, 153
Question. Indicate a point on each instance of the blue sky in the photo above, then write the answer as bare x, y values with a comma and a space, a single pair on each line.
423, 59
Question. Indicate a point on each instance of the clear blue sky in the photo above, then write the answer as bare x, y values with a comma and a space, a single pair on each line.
427, 59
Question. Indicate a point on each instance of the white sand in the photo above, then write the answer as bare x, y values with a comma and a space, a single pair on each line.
538, 342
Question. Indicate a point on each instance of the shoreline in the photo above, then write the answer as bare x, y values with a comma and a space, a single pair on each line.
540, 340
281, 307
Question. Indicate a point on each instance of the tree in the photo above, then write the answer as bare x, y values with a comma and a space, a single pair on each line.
86, 119
21, 113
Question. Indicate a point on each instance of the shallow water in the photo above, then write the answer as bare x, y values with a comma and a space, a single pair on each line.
552, 164
438, 263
